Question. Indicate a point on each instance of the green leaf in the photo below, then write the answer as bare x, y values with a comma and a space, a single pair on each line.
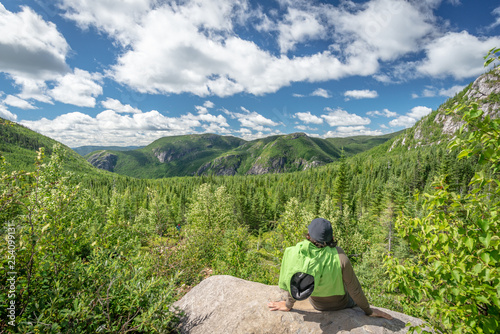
477, 268
45, 227
485, 257
484, 224
486, 276
464, 153
486, 240
456, 275
443, 238
483, 299
469, 243
494, 257
496, 300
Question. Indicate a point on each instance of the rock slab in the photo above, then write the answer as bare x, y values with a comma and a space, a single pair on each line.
225, 304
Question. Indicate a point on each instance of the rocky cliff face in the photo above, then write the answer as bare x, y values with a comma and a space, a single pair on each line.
486, 91
227, 165
225, 304
264, 166
278, 165
168, 155
103, 160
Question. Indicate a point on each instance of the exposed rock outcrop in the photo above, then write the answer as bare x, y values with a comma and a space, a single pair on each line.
486, 90
225, 304
226, 165
303, 164
103, 160
169, 155
272, 165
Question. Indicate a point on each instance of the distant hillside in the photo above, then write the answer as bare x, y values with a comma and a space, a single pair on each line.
168, 156
210, 154
19, 144
84, 150
439, 126
358, 144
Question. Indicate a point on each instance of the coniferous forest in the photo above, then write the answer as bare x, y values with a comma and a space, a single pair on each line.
100, 252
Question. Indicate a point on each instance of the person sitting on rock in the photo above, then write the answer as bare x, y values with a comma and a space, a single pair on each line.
316, 268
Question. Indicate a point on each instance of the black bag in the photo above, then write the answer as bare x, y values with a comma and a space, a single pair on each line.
301, 286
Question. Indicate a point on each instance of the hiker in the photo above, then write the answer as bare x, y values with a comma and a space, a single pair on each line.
317, 268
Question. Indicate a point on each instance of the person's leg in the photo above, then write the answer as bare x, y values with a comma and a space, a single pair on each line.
332, 303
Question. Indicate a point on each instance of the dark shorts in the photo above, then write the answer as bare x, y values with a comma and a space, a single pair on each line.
333, 303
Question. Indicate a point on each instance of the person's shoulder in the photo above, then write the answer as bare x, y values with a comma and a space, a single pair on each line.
340, 250
342, 256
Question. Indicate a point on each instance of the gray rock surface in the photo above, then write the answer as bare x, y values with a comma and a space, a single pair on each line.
484, 87
225, 304
226, 165
103, 160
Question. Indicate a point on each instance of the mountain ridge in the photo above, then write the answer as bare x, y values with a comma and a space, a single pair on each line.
441, 126
19, 146
228, 155
212, 154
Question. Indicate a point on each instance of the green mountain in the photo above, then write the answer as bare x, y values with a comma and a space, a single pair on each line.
168, 156
84, 150
210, 154
18, 145
358, 144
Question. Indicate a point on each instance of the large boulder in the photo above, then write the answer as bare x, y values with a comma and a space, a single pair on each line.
225, 304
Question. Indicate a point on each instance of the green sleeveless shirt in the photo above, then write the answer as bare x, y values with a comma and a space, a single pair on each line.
321, 263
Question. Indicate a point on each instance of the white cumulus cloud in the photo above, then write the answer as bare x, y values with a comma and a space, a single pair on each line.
340, 117
208, 104
452, 91
17, 102
385, 113
31, 48
305, 128
117, 106
456, 54
307, 118
5, 113
321, 93
79, 88
410, 118
299, 26
113, 128
361, 94
205, 56
252, 120
350, 131
419, 112
496, 13
385, 28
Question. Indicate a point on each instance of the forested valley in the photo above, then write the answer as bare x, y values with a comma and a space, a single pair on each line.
107, 253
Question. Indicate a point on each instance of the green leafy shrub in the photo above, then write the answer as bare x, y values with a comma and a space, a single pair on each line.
76, 271
291, 228
453, 278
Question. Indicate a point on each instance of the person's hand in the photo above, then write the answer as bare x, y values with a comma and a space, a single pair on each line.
278, 306
380, 314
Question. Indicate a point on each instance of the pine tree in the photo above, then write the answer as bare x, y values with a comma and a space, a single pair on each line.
341, 184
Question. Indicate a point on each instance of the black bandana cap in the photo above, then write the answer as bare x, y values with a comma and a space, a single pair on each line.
320, 230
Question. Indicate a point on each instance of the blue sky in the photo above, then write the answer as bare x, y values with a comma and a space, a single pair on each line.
114, 72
